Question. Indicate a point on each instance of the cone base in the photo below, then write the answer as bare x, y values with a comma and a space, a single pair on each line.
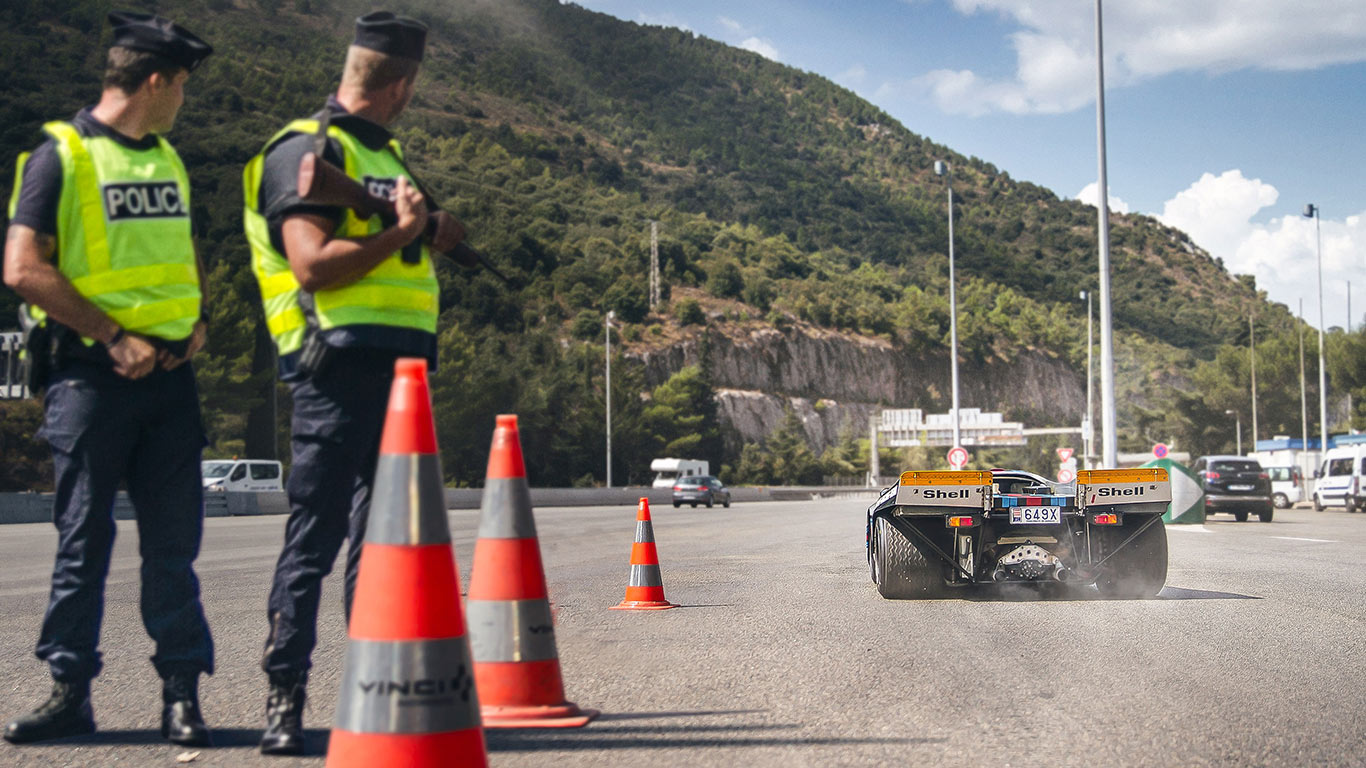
566, 715
643, 605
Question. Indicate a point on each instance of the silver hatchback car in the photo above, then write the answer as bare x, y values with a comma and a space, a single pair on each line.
700, 489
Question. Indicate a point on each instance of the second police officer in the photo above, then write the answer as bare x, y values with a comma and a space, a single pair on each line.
342, 303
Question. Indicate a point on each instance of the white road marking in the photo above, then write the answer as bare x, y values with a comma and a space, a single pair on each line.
1299, 538
1191, 528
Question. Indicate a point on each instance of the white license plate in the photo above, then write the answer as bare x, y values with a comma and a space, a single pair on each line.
1036, 515
1240, 487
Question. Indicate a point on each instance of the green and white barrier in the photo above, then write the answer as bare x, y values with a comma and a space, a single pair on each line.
1188, 495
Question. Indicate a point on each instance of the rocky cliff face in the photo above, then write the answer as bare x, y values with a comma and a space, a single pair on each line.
835, 381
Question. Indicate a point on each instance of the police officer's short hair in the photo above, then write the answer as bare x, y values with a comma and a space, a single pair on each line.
373, 71
128, 69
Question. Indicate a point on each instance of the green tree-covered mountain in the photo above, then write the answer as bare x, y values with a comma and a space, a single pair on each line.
557, 133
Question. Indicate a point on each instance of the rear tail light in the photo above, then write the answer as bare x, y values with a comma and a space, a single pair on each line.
1211, 475
964, 521
1263, 476
678, 487
1108, 518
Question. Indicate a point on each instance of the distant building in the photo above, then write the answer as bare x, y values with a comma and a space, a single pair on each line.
908, 427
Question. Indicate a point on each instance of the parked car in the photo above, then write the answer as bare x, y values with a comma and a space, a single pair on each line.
700, 489
1286, 486
1235, 484
1339, 478
242, 475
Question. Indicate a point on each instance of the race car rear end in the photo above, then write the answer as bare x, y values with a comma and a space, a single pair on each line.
937, 531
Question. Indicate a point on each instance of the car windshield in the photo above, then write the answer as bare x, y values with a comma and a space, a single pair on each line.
216, 469
692, 482
1235, 466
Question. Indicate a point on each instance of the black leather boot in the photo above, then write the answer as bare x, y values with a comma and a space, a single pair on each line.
181, 721
65, 713
285, 716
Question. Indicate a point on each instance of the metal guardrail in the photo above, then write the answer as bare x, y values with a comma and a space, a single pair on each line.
37, 507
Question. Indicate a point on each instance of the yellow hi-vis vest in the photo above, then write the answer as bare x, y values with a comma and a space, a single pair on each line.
393, 294
123, 231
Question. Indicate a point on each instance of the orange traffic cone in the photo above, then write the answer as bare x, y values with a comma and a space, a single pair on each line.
407, 693
645, 590
512, 634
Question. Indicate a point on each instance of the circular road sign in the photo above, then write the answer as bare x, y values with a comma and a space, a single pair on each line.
1160, 450
1066, 475
958, 457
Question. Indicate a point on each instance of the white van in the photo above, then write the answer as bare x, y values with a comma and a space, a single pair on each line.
1338, 478
1285, 486
667, 471
242, 475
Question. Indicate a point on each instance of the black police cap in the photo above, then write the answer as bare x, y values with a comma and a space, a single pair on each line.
392, 35
154, 34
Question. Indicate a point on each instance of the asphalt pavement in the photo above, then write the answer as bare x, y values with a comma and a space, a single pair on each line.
783, 654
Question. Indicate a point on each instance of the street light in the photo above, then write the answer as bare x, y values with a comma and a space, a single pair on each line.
942, 168
1312, 211
1109, 420
1088, 426
607, 332
1238, 420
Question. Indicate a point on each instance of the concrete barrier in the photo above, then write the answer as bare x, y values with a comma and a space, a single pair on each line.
37, 507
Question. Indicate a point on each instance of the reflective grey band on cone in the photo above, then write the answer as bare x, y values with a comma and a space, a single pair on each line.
505, 510
408, 501
417, 686
510, 630
645, 576
645, 531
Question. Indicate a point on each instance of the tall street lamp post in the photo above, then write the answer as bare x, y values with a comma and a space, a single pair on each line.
607, 331
1109, 439
1312, 211
1088, 430
1238, 424
942, 168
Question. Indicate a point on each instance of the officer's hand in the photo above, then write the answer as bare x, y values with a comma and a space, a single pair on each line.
197, 338
449, 232
411, 209
134, 356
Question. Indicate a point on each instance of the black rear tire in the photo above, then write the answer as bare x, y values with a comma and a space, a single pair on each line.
677, 505
901, 572
709, 502
1240, 517
1266, 514
726, 503
1139, 570
1318, 503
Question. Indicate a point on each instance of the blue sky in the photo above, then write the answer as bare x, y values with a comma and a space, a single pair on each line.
1224, 117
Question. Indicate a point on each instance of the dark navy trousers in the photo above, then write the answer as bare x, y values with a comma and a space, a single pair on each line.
337, 423
104, 429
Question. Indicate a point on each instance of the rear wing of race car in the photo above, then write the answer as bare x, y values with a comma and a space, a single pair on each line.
966, 490
1145, 489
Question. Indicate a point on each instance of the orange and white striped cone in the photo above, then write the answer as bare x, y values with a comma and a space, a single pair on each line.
512, 633
645, 590
408, 692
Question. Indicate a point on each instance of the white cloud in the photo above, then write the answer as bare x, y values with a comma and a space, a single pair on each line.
1055, 45
854, 76
762, 46
1217, 212
663, 20
1088, 195
731, 24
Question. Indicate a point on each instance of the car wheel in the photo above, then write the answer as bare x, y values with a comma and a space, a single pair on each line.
1240, 517
1280, 500
902, 570
1265, 514
710, 501
1318, 503
694, 505
1349, 503
1139, 570
677, 505
726, 503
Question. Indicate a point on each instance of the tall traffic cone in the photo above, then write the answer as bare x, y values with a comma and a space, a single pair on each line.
512, 634
407, 693
645, 590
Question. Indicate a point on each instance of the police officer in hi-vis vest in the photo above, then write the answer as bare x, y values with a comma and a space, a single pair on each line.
342, 304
99, 247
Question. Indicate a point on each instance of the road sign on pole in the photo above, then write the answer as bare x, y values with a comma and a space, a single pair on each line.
958, 457
1064, 454
1160, 450
1066, 475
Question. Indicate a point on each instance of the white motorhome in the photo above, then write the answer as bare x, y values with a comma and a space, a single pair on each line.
669, 470
242, 475
1338, 479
